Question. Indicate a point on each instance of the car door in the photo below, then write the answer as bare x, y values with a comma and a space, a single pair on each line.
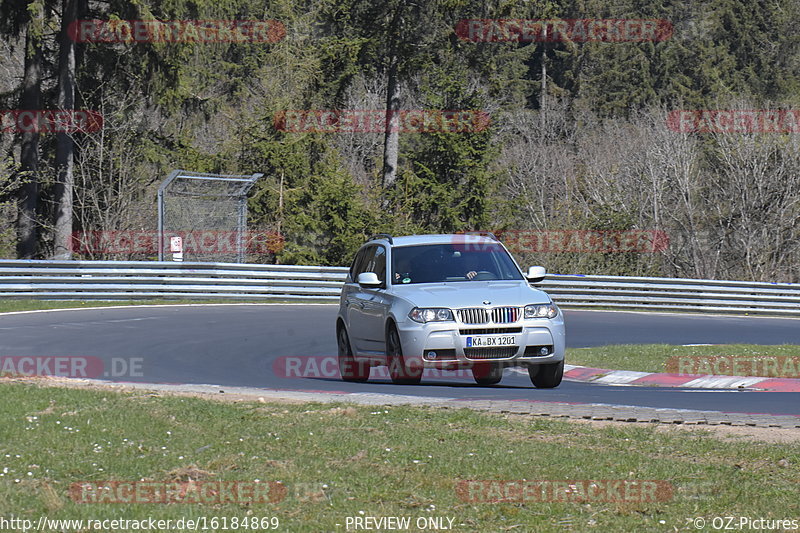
375, 305
356, 297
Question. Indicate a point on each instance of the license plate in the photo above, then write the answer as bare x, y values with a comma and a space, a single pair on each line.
490, 340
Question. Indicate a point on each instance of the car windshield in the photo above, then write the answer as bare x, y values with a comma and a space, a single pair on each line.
437, 263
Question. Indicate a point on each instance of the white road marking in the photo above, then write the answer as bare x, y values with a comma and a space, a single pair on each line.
619, 377
723, 382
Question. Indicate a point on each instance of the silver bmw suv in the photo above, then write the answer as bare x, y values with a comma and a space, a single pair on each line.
447, 302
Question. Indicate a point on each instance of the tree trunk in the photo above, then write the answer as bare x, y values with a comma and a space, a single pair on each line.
30, 99
65, 147
391, 140
543, 97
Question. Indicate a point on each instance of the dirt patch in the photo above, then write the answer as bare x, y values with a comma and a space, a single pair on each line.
768, 435
188, 473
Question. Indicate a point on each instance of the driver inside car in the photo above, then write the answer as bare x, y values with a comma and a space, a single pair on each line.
403, 272
431, 266
472, 265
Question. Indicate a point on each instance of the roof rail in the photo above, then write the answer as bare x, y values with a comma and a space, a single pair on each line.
382, 236
484, 233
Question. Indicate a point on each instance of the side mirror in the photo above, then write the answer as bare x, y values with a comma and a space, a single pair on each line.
368, 279
536, 274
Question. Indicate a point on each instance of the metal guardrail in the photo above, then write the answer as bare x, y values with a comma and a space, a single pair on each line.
125, 280
120, 280
674, 294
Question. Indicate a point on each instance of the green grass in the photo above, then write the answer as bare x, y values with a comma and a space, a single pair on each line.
17, 304
654, 357
340, 461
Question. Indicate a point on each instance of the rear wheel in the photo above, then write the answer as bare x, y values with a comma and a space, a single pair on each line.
546, 376
487, 373
402, 370
349, 367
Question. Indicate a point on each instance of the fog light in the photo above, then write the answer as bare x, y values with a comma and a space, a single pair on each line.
544, 350
431, 355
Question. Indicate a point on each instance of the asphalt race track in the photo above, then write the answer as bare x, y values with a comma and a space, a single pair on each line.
237, 345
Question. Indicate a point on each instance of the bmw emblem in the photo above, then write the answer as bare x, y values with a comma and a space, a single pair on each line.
486, 302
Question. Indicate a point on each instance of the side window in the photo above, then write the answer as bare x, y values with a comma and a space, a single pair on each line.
378, 263
363, 261
357, 262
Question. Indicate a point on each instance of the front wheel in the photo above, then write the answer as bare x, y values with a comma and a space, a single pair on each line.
402, 370
349, 368
546, 376
487, 374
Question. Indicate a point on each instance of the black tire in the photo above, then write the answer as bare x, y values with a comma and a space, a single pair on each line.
401, 372
487, 373
349, 368
546, 376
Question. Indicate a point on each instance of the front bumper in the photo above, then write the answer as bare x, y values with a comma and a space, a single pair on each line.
447, 340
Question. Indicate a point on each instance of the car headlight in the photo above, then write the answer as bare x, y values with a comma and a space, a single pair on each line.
430, 314
541, 311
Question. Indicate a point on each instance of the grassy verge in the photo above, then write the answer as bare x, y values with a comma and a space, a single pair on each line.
9, 305
751, 359
342, 461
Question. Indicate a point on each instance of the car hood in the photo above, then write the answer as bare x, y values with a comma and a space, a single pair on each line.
471, 294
